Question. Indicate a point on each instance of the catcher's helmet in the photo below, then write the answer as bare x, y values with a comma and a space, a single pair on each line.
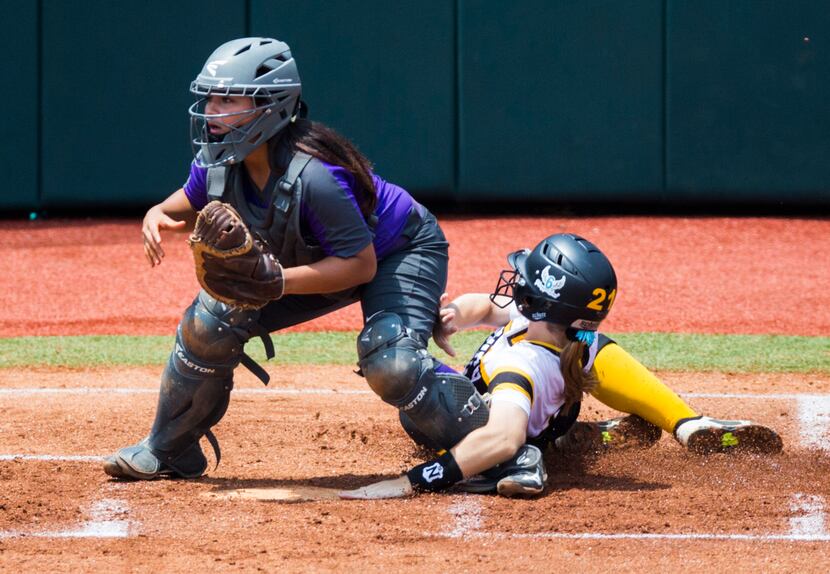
261, 68
565, 280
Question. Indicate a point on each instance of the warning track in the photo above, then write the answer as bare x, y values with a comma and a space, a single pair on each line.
701, 274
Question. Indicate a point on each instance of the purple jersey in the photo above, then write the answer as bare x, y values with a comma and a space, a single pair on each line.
329, 211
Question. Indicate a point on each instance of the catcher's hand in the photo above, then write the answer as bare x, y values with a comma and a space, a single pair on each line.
232, 265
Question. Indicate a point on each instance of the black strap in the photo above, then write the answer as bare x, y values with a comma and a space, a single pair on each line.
263, 334
254, 367
285, 186
215, 444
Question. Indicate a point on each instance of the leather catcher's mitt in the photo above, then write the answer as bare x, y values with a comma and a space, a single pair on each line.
231, 265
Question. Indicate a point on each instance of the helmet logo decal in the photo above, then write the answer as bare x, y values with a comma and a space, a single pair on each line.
212, 66
549, 284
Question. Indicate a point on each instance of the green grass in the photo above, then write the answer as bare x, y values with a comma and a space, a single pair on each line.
676, 352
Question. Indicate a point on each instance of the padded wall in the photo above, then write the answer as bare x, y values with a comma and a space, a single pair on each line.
748, 86
19, 63
381, 73
115, 95
560, 100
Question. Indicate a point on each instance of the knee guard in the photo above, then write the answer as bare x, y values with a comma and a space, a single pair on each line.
197, 382
442, 407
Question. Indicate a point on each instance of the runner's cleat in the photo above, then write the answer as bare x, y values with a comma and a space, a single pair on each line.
530, 477
705, 435
522, 475
624, 432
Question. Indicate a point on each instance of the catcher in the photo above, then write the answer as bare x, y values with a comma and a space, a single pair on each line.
292, 224
536, 366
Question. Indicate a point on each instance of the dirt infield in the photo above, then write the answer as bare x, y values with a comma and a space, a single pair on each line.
319, 428
704, 275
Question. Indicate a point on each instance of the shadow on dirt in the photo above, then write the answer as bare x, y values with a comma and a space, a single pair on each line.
339, 482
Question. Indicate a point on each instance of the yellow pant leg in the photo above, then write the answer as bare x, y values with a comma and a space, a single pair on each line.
627, 386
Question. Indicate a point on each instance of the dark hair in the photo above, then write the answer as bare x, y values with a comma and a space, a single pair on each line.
577, 381
325, 144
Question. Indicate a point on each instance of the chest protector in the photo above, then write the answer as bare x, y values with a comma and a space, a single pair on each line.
280, 225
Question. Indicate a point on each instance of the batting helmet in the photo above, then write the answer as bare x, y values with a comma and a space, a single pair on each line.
260, 68
564, 280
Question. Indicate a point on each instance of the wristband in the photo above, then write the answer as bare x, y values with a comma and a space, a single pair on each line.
435, 475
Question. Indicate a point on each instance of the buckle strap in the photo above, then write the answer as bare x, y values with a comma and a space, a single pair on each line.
255, 368
286, 183
215, 444
252, 365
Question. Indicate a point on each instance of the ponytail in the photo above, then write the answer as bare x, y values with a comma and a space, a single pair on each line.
327, 145
577, 381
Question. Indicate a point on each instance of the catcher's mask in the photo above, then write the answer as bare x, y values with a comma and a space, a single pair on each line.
565, 280
260, 68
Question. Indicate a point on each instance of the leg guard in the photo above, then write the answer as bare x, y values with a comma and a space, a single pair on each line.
417, 436
442, 408
194, 395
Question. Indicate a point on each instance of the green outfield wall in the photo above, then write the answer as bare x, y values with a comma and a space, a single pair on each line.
666, 101
19, 66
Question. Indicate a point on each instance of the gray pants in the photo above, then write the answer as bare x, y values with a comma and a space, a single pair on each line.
409, 282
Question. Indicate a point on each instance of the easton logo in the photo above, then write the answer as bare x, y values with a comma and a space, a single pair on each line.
549, 284
416, 400
211, 67
180, 354
433, 472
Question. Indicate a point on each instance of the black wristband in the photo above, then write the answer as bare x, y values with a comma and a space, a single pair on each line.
435, 475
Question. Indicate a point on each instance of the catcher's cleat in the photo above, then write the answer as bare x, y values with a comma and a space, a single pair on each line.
522, 475
705, 435
624, 432
137, 462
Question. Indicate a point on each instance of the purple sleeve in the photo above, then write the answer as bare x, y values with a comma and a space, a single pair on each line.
195, 188
331, 212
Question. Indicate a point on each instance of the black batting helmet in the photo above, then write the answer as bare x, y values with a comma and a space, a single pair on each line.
564, 280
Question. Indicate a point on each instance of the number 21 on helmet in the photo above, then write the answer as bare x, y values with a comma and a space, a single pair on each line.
564, 280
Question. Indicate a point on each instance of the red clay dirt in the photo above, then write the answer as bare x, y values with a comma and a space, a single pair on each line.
319, 428
676, 274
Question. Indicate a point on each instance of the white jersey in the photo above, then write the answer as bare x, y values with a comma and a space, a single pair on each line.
523, 372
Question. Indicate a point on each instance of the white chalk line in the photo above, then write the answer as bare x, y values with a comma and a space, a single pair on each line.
647, 536
809, 516
814, 418
466, 512
53, 457
107, 520
759, 396
808, 525
24, 391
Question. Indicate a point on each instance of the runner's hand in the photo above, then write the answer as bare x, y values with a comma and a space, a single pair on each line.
445, 327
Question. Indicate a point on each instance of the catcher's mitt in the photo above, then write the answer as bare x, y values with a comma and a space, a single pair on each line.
233, 266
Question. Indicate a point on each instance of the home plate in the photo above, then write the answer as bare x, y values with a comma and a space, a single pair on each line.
286, 494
